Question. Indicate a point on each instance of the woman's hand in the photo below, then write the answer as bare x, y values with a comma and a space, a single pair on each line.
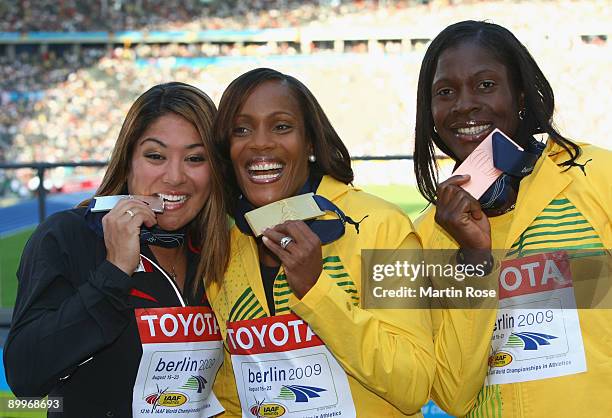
301, 258
122, 233
461, 215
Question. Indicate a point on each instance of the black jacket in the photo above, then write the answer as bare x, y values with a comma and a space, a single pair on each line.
73, 305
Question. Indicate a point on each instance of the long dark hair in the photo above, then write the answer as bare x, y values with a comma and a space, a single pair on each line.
332, 157
209, 229
525, 75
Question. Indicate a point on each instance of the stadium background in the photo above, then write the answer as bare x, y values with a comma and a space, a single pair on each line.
70, 69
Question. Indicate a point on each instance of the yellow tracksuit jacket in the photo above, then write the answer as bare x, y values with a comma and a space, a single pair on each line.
387, 354
555, 209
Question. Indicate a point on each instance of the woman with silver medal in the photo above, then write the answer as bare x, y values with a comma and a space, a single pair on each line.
111, 316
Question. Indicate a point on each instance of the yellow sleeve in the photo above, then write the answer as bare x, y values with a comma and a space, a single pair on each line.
462, 340
389, 351
462, 337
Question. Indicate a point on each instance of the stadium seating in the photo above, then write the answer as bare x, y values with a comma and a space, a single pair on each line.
65, 102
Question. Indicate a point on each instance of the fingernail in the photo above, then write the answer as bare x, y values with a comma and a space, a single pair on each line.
265, 239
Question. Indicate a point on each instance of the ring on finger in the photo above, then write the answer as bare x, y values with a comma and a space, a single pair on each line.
285, 241
129, 212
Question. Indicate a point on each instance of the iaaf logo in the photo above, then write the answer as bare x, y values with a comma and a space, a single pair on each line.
263, 409
500, 359
166, 399
529, 340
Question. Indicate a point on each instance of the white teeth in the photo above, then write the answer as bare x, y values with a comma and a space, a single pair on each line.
265, 176
173, 197
473, 130
265, 166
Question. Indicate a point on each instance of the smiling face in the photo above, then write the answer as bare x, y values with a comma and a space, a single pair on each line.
472, 94
268, 146
169, 161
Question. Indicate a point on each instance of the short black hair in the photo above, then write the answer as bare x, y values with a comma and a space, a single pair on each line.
525, 77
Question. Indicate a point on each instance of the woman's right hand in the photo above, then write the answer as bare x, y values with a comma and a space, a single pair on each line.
461, 215
122, 233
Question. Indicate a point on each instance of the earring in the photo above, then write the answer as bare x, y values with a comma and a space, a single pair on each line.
522, 114
435, 130
312, 158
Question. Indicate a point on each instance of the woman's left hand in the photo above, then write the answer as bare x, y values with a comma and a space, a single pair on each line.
301, 258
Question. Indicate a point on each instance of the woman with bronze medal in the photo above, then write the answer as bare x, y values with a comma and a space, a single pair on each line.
548, 207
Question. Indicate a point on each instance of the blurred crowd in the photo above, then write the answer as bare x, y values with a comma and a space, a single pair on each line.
118, 15
195, 15
69, 106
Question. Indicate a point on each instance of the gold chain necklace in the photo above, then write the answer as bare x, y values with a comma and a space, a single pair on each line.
173, 272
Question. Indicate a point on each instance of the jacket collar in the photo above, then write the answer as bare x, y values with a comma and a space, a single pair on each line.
332, 188
536, 192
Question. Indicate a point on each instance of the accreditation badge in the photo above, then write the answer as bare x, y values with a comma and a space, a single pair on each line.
282, 369
537, 332
182, 350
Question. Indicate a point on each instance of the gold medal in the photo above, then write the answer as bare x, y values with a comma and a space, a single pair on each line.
300, 208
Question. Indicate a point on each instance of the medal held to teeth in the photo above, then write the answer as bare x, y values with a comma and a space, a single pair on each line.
106, 203
296, 208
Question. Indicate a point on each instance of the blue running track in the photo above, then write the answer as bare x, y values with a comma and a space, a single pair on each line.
25, 213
